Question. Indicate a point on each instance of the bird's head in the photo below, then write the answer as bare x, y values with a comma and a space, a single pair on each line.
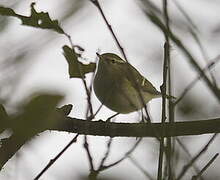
110, 59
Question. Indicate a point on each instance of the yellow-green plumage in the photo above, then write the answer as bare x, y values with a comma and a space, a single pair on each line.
120, 87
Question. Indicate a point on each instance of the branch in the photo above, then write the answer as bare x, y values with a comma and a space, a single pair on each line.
100, 128
112, 129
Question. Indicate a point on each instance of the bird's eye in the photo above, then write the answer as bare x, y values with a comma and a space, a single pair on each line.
113, 61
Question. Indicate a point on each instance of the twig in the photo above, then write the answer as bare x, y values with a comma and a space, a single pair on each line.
88, 92
163, 118
187, 53
187, 17
189, 155
209, 66
104, 167
52, 161
205, 168
106, 153
195, 36
86, 146
97, 111
83, 80
89, 110
164, 88
96, 3
147, 174
91, 116
204, 149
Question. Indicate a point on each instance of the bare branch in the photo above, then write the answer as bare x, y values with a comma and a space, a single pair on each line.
52, 161
206, 166
100, 128
204, 149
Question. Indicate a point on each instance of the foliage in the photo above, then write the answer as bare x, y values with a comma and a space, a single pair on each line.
76, 68
36, 19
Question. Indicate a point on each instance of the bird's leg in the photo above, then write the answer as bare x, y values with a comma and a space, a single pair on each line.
109, 119
143, 120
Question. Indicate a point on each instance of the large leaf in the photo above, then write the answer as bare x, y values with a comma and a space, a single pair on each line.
37, 114
36, 19
76, 68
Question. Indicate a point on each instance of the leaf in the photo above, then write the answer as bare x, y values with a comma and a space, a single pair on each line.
37, 114
36, 19
65, 110
76, 68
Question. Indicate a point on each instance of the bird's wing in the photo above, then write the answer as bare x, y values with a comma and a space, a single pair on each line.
137, 79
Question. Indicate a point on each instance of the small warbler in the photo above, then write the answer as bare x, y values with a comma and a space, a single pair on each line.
120, 87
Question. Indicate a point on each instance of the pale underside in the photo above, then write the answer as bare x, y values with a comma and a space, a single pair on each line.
119, 93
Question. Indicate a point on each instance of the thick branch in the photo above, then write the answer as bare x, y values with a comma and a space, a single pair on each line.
101, 128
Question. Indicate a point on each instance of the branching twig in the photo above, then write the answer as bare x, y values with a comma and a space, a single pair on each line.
189, 155
104, 167
194, 34
163, 119
147, 174
164, 88
52, 161
209, 66
206, 167
88, 93
204, 149
86, 146
187, 53
89, 113
106, 153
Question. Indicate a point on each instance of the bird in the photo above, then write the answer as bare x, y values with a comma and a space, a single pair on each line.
120, 87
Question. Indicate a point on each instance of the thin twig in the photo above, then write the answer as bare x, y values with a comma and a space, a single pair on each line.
91, 116
106, 153
147, 174
187, 17
205, 167
187, 53
92, 174
171, 108
52, 161
97, 4
190, 86
83, 80
195, 36
97, 111
189, 155
123, 158
86, 146
90, 110
75, 138
203, 150
164, 89
163, 118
